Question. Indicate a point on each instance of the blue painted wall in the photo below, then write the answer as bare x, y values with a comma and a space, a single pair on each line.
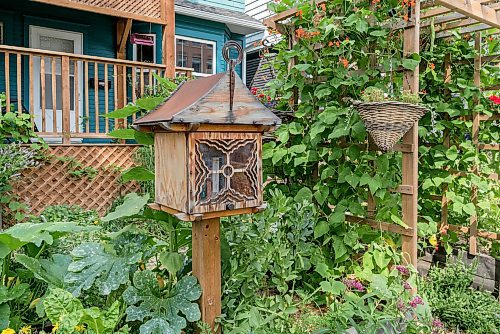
99, 38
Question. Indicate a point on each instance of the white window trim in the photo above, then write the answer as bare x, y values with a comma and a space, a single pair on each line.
134, 49
205, 41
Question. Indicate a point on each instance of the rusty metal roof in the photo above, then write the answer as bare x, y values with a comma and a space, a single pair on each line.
207, 101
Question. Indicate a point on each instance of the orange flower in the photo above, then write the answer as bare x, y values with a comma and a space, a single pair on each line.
405, 17
300, 12
432, 66
344, 61
323, 7
300, 33
337, 43
330, 43
375, 2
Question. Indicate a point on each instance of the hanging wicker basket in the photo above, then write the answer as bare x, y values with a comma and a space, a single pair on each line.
388, 121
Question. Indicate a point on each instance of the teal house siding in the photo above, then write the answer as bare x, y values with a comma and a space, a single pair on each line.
236, 5
207, 30
99, 39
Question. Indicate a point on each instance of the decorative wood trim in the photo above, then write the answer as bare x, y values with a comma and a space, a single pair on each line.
481, 234
209, 215
107, 11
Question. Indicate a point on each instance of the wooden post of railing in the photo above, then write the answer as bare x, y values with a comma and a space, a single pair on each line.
169, 39
66, 102
475, 141
410, 159
7, 81
19, 89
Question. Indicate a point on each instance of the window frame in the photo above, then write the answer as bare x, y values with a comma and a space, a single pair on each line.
204, 41
134, 49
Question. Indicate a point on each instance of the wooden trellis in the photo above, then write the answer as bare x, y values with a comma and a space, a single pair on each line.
52, 183
466, 16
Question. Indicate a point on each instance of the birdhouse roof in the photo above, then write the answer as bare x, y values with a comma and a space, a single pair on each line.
207, 101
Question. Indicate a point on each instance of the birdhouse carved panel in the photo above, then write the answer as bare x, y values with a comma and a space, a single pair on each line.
226, 171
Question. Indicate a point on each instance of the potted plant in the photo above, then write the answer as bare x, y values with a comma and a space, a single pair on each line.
388, 120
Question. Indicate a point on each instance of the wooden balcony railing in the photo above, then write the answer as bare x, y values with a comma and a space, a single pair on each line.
68, 95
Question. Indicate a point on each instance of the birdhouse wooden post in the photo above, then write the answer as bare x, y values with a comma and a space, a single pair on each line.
208, 163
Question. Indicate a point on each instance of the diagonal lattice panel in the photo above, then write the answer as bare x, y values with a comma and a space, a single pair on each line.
52, 182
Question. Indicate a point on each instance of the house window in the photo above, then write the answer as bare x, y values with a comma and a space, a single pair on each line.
195, 53
145, 53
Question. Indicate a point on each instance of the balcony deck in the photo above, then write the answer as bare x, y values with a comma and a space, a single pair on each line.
82, 88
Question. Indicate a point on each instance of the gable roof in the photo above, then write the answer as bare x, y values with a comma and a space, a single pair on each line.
237, 22
206, 101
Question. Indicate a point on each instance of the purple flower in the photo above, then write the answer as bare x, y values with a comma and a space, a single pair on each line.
437, 323
407, 285
416, 301
354, 284
403, 270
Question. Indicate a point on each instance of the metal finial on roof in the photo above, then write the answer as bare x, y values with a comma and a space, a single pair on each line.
226, 50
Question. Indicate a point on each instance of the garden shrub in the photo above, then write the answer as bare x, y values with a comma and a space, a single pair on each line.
457, 304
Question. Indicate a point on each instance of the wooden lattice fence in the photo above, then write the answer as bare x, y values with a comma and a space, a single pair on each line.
84, 175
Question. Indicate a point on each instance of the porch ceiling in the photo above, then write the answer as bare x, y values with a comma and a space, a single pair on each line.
143, 10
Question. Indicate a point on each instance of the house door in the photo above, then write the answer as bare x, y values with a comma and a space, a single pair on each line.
62, 41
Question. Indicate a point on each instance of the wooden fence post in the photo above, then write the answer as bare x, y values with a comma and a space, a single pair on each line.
207, 268
475, 141
410, 159
66, 102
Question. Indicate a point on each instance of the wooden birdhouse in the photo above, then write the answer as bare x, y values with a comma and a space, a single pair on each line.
208, 147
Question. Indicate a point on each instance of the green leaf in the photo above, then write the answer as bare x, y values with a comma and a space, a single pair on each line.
160, 312
469, 209
410, 64
172, 261
37, 233
107, 268
321, 194
51, 271
336, 288
63, 309
139, 173
398, 221
303, 67
321, 229
4, 315
122, 134
144, 138
352, 179
149, 103
132, 205
304, 194
126, 111
379, 32
452, 153
339, 247
13, 293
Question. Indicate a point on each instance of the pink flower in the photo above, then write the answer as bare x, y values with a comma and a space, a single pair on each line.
354, 284
407, 286
416, 301
403, 270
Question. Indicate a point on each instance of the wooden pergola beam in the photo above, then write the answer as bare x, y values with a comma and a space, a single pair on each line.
272, 21
465, 30
474, 9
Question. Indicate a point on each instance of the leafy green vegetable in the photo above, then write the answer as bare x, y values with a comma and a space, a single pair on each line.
160, 310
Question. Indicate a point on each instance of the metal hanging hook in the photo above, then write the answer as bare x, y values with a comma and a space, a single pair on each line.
226, 50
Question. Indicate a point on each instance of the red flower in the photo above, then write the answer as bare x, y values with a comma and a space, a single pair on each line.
261, 96
495, 99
